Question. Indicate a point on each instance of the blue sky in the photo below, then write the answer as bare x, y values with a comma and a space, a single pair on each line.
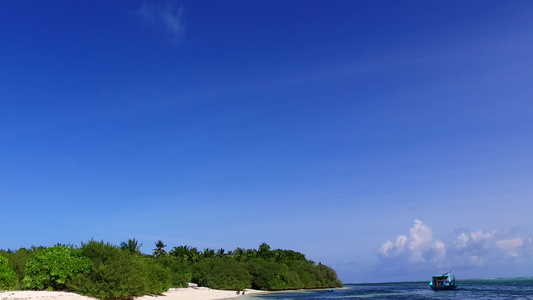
390, 140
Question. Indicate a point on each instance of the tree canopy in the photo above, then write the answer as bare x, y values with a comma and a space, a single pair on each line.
106, 271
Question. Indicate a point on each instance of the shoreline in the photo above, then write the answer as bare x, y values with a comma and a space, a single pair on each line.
190, 293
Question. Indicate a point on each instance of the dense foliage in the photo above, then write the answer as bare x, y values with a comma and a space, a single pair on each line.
106, 271
222, 273
18, 260
8, 278
117, 273
53, 268
180, 271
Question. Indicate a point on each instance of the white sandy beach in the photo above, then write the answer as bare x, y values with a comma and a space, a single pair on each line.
196, 293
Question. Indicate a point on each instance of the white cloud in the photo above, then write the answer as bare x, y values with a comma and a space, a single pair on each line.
462, 241
480, 236
476, 261
420, 251
420, 238
400, 242
167, 17
439, 248
511, 245
418, 246
386, 248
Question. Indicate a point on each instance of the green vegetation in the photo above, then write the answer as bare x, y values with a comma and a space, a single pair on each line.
8, 278
132, 246
18, 260
53, 268
180, 271
119, 273
222, 273
106, 271
159, 248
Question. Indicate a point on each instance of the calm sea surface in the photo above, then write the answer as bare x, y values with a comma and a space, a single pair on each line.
467, 289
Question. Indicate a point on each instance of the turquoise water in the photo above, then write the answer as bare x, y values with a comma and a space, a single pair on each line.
490, 289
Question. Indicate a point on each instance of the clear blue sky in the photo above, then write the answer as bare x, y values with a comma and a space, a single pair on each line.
390, 140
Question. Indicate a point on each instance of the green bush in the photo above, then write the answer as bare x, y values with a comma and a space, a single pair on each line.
326, 276
118, 274
267, 275
114, 273
18, 260
306, 274
159, 279
221, 273
180, 271
53, 268
8, 278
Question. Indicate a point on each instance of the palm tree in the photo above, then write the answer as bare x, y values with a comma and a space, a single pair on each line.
193, 255
181, 252
264, 251
238, 253
159, 251
249, 254
208, 253
132, 246
220, 252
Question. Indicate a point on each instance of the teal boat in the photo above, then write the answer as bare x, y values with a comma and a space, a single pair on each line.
443, 282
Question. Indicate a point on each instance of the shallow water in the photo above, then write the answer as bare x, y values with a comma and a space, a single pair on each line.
491, 289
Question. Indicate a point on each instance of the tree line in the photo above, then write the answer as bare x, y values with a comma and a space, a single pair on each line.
102, 270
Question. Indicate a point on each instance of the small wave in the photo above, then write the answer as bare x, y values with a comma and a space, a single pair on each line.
371, 295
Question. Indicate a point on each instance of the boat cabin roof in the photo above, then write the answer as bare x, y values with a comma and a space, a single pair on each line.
443, 275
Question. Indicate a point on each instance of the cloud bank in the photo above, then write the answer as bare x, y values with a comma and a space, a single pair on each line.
420, 251
167, 17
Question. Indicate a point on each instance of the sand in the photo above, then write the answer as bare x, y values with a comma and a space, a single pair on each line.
196, 293
191, 293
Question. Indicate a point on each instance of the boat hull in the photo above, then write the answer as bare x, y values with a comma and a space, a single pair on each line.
444, 288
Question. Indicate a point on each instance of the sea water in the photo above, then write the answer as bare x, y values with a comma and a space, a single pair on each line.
491, 289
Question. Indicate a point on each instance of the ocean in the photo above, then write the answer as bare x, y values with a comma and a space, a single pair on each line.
490, 289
